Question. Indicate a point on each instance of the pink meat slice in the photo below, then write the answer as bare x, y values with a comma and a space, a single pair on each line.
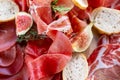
104, 63
54, 61
7, 57
7, 36
16, 66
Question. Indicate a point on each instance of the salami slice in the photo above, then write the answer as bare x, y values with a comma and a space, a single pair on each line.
15, 67
22, 75
7, 36
7, 57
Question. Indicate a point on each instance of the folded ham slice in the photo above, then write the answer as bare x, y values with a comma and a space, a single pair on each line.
7, 57
52, 62
7, 35
16, 66
42, 13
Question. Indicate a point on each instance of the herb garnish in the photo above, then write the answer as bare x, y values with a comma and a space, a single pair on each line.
56, 8
32, 34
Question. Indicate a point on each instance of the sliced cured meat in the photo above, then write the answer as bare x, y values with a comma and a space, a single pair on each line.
81, 14
103, 40
54, 61
46, 65
77, 24
98, 3
38, 47
114, 39
41, 25
112, 73
111, 39
104, 62
57, 76
22, 4
15, 67
7, 57
7, 35
41, 13
22, 75
61, 24
61, 44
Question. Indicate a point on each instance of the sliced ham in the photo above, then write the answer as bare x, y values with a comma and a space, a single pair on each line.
22, 5
7, 57
77, 24
111, 39
46, 65
22, 75
98, 3
41, 13
54, 61
81, 14
59, 43
105, 62
38, 47
7, 35
15, 67
61, 24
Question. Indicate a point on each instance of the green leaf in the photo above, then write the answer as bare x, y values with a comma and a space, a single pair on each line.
60, 9
54, 2
30, 35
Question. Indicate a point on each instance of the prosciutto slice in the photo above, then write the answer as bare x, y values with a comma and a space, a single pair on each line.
38, 47
15, 67
42, 13
22, 4
111, 39
22, 75
61, 24
7, 36
7, 57
104, 63
77, 24
52, 62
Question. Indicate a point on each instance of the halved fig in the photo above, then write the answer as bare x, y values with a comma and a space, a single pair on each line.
23, 22
82, 41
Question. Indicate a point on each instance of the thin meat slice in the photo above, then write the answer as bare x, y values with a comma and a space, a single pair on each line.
7, 36
7, 57
78, 25
54, 61
22, 4
105, 62
61, 24
41, 13
15, 67
38, 47
22, 75
46, 65
61, 44
111, 39
81, 14
99, 3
